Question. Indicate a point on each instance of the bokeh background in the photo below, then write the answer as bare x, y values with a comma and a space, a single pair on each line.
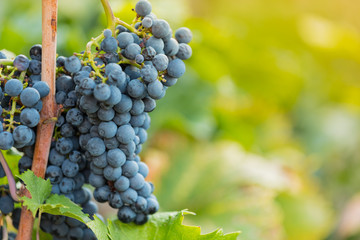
262, 133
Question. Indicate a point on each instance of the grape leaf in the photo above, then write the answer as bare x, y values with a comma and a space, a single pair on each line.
39, 189
99, 228
61, 205
165, 225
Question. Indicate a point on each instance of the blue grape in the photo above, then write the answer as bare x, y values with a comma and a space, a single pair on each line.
142, 134
183, 35
6, 204
184, 52
43, 88
106, 114
141, 204
102, 92
85, 126
129, 196
80, 76
111, 67
111, 143
54, 174
107, 33
125, 134
100, 161
89, 104
160, 28
122, 184
29, 117
116, 158
96, 170
141, 219
133, 72
96, 180
149, 53
169, 81
149, 104
137, 120
70, 169
149, 73
136, 88
147, 22
64, 145
2, 172
22, 134
75, 156
35, 67
35, 52
102, 194
21, 63
55, 158
115, 200
155, 89
137, 107
60, 97
72, 64
126, 215
95, 146
115, 96
143, 169
122, 118
24, 164
29, 97
176, 68
109, 44
67, 185
143, 8
75, 234
67, 130
171, 47
64, 83
137, 182
132, 50
125, 39
86, 86
74, 116
160, 62
145, 191
139, 59
152, 206
130, 169
13, 87
156, 43
111, 173
107, 129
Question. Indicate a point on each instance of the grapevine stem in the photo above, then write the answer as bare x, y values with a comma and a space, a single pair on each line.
6, 62
5, 231
10, 177
45, 128
109, 15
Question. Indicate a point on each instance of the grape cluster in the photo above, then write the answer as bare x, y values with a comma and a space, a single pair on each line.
107, 97
7, 209
20, 97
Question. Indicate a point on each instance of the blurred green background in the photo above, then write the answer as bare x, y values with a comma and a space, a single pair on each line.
262, 133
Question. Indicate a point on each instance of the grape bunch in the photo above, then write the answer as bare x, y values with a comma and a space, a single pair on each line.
7, 209
20, 97
107, 96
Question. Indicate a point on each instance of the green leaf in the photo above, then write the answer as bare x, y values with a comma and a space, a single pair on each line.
99, 228
166, 225
61, 205
39, 189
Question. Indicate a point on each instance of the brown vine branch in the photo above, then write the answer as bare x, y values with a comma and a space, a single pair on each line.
10, 177
49, 111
